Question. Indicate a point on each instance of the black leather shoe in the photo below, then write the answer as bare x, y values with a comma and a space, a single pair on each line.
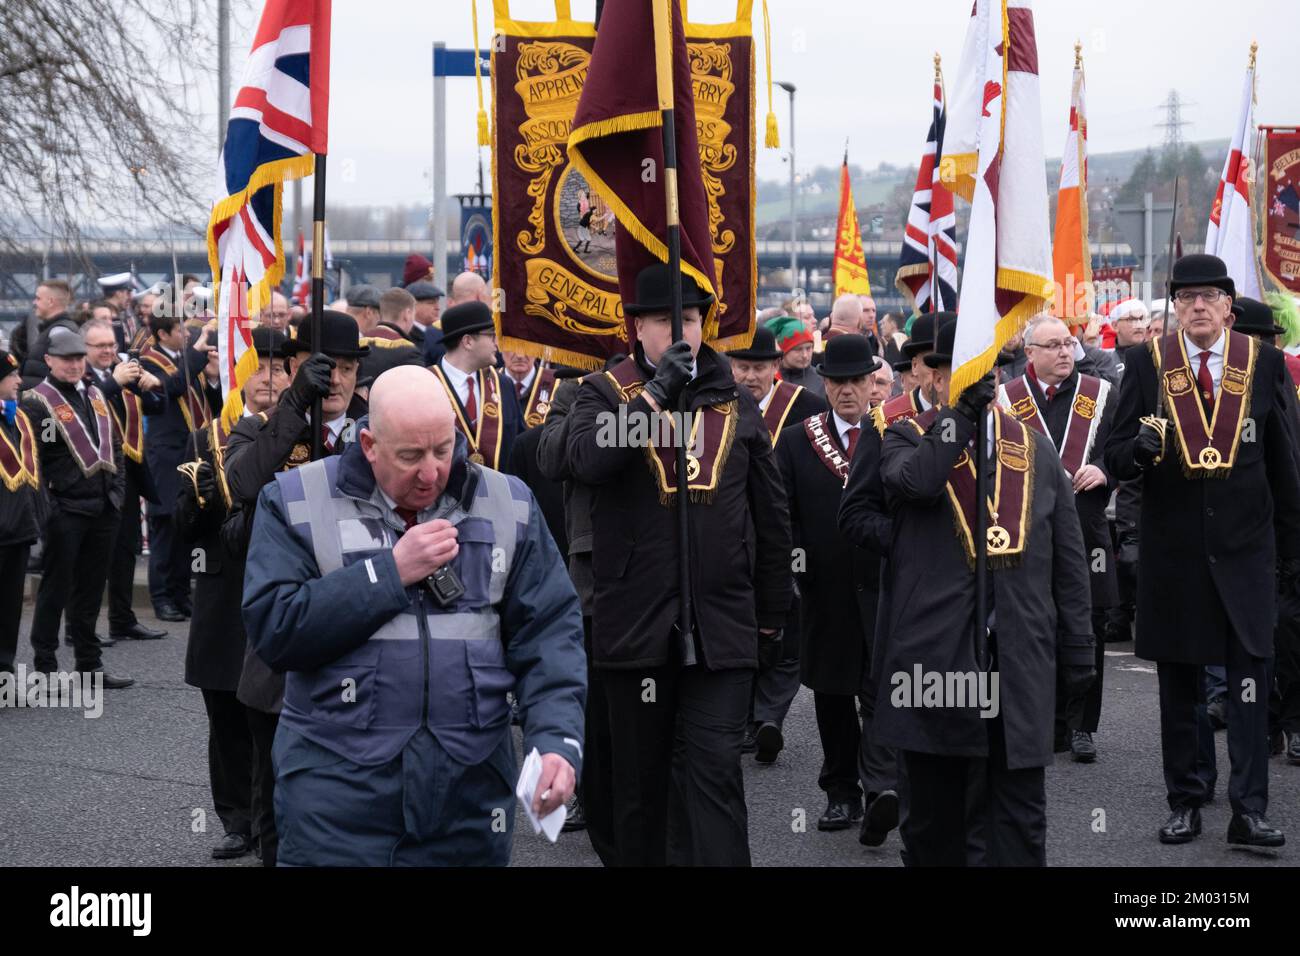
138, 632
1183, 826
1217, 710
880, 818
1293, 748
231, 847
769, 742
750, 743
1081, 746
839, 815
106, 640
576, 818
186, 609
168, 612
1251, 829
114, 683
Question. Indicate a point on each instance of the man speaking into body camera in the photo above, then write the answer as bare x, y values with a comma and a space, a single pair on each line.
406, 590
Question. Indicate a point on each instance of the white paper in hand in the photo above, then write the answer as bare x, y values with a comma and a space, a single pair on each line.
525, 789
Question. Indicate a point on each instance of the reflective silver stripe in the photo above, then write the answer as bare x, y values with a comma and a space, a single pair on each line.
498, 505
466, 626
298, 512
321, 517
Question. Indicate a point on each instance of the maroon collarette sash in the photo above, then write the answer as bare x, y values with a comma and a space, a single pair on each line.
21, 465
1018, 397
90, 459
829, 453
898, 407
485, 438
1009, 523
1208, 449
778, 409
712, 430
195, 407
537, 400
131, 425
385, 337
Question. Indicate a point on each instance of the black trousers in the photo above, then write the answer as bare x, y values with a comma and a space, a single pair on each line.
76, 565
1084, 712
679, 794
261, 728
1011, 810
841, 736
1285, 705
230, 760
597, 784
169, 562
13, 570
1187, 740
121, 566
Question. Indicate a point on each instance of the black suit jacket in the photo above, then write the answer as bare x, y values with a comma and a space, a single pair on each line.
151, 403
167, 443
839, 586
1207, 551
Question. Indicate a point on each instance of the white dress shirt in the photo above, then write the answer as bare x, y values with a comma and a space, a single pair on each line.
460, 382
1215, 361
526, 383
843, 427
767, 399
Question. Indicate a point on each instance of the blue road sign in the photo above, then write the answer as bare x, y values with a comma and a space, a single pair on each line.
457, 62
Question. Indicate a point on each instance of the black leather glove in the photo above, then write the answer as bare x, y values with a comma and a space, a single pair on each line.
1076, 679
311, 381
1147, 446
769, 649
973, 400
206, 481
671, 375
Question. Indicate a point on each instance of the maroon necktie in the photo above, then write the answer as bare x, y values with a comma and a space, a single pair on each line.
326, 438
1206, 381
1051, 390
408, 515
471, 406
853, 440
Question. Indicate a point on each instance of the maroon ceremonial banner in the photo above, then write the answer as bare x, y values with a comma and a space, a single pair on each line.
1282, 198
554, 226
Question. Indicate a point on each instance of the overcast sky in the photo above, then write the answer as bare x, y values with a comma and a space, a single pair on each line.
862, 68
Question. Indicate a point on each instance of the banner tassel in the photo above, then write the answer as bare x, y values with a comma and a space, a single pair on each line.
773, 138
484, 135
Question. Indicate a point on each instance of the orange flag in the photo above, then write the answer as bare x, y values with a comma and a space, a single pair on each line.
850, 262
1071, 255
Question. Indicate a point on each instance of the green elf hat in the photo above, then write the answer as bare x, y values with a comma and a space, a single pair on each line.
789, 331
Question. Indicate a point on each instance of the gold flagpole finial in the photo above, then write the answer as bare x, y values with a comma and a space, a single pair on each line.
1254, 48
1078, 54
937, 59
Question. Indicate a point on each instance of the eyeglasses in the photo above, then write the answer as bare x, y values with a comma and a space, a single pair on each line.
1056, 345
1188, 296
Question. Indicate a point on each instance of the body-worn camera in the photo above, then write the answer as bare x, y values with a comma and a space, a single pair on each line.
444, 585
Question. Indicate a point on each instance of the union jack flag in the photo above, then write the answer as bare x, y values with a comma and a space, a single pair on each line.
278, 121
930, 238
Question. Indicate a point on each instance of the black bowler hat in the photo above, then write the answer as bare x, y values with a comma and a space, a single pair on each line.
462, 319
339, 337
943, 341
269, 343
8, 364
904, 366
564, 372
654, 292
922, 337
848, 356
762, 349
1200, 269
1254, 318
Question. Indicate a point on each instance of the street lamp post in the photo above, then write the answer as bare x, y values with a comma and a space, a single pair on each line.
794, 255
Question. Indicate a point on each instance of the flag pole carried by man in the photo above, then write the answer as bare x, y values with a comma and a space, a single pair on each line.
1071, 253
278, 131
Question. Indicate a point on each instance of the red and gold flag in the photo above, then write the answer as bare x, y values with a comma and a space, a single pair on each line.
1282, 205
850, 266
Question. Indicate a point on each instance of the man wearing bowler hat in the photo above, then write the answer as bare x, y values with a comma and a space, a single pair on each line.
486, 410
677, 707
782, 403
914, 401
1220, 538
839, 585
